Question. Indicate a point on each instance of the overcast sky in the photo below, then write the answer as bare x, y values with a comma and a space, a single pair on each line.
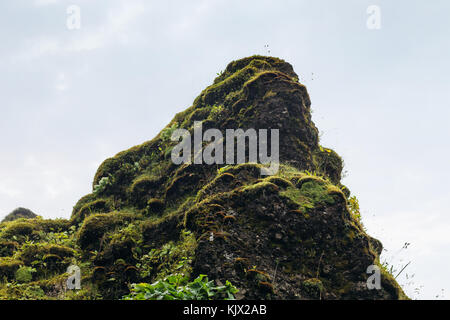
380, 97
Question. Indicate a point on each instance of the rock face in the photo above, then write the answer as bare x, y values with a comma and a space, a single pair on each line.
20, 213
291, 235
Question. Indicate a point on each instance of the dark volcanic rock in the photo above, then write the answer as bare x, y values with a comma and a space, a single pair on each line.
292, 235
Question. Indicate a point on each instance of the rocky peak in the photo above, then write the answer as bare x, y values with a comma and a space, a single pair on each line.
295, 234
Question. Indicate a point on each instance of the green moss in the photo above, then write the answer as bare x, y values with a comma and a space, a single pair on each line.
313, 288
261, 62
195, 115
304, 178
80, 203
217, 113
8, 268
18, 230
38, 252
51, 225
222, 182
259, 188
20, 213
218, 91
27, 291
389, 284
153, 200
296, 196
245, 172
269, 94
162, 229
142, 188
336, 193
289, 172
172, 257
316, 192
155, 206
182, 185
96, 206
7, 248
95, 227
311, 193
31, 229
280, 182
132, 232
329, 163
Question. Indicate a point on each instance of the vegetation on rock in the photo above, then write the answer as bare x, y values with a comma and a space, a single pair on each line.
20, 213
208, 231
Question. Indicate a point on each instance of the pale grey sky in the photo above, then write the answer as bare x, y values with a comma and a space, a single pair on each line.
72, 98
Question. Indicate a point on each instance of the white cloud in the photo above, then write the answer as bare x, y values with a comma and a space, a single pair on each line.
45, 2
115, 30
61, 82
36, 48
7, 190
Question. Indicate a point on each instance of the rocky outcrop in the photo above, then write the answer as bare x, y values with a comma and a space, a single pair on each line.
290, 235
20, 213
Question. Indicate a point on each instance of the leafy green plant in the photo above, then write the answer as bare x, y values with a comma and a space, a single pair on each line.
170, 258
62, 238
353, 208
166, 133
103, 184
216, 112
171, 288
24, 274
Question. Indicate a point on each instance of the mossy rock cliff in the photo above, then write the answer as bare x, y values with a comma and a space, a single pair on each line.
290, 235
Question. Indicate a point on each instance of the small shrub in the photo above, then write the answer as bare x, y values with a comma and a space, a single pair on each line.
216, 112
24, 274
166, 133
353, 208
102, 184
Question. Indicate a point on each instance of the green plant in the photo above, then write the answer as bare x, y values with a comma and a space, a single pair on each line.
319, 175
310, 195
170, 258
103, 184
166, 133
317, 193
353, 208
223, 169
216, 112
24, 274
171, 288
